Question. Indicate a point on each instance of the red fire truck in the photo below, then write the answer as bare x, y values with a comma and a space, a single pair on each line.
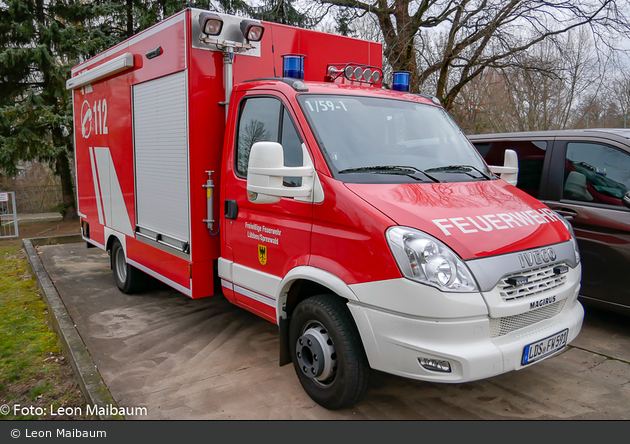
216, 149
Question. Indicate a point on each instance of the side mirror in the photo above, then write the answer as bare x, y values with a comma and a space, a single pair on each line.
625, 200
265, 171
509, 170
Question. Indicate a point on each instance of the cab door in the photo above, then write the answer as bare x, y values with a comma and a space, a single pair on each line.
266, 240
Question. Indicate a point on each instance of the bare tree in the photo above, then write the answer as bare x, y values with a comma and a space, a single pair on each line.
551, 85
254, 131
448, 43
485, 105
621, 94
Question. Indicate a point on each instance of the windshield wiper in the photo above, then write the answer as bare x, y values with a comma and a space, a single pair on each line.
460, 168
390, 169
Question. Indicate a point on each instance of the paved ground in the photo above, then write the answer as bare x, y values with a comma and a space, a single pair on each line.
207, 359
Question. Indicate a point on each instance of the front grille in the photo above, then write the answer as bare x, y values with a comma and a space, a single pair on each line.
540, 280
507, 324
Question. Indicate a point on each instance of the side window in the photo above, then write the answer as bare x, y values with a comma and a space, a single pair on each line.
265, 119
596, 173
292, 146
259, 122
531, 159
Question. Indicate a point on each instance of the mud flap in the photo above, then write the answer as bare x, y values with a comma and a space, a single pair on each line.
285, 355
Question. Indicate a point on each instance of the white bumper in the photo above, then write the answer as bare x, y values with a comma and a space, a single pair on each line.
401, 321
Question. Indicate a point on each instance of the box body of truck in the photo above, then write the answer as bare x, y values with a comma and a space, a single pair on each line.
360, 220
152, 124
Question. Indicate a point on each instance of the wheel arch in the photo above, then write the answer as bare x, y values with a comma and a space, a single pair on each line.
302, 282
110, 237
299, 284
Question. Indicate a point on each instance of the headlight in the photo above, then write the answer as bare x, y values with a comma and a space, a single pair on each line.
569, 227
423, 258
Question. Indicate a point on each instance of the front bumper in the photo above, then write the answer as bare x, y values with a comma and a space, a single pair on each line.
395, 338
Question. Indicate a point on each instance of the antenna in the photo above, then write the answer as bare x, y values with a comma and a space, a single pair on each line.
273, 53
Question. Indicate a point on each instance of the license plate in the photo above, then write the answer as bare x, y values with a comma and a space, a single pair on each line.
539, 349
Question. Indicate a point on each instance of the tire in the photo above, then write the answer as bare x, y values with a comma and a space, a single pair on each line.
128, 279
342, 377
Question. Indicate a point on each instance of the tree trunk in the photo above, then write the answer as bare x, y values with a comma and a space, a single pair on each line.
129, 18
67, 190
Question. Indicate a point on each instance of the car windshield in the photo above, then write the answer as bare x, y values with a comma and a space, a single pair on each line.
385, 140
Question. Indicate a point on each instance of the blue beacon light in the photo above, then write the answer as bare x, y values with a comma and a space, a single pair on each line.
401, 81
293, 66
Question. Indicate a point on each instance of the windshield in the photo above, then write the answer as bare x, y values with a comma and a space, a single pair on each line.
367, 139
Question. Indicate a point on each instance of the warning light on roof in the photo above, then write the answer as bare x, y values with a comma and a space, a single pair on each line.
293, 66
354, 73
401, 81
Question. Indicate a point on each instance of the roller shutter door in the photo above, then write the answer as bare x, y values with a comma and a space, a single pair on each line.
161, 159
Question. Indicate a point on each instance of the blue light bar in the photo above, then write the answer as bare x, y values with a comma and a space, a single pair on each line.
401, 81
293, 66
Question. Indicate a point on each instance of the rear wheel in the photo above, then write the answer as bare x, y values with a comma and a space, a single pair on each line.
327, 352
128, 279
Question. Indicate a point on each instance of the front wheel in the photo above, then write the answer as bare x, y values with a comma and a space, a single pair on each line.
128, 279
327, 352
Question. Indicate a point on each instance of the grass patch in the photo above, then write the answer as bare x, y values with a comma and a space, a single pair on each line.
33, 370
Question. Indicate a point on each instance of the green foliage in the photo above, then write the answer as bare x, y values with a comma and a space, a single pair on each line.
281, 11
41, 40
235, 7
32, 369
61, 209
343, 19
26, 338
45, 387
38, 45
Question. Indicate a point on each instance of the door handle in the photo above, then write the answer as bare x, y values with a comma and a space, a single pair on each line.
231, 209
567, 214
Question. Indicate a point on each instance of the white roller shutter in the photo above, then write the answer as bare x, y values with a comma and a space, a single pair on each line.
161, 159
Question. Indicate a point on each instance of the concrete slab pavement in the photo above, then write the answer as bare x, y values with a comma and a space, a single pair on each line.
207, 359
90, 381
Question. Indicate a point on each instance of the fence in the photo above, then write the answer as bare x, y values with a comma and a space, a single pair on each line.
8, 216
36, 199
